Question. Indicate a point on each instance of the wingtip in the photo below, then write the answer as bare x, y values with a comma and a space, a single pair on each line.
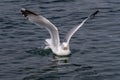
23, 9
94, 13
26, 12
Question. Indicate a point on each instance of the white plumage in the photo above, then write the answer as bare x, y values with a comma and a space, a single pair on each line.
60, 49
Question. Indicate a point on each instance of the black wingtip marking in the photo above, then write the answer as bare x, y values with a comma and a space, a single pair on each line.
93, 14
27, 12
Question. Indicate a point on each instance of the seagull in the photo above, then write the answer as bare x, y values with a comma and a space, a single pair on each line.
53, 43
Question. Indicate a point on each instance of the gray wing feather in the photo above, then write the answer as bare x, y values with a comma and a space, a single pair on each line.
74, 29
42, 21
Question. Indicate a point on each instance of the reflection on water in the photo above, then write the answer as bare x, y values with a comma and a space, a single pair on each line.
59, 67
60, 60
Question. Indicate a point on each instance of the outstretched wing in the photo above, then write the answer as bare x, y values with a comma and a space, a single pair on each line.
42, 21
74, 29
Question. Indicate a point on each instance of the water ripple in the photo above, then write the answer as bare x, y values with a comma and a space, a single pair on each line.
94, 48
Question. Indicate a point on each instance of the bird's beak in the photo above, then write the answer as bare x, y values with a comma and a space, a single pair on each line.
65, 48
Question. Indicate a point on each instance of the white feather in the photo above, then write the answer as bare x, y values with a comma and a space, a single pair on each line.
54, 42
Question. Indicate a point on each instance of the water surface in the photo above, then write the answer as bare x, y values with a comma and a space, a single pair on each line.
95, 47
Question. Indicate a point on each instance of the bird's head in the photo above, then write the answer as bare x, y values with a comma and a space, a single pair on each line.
65, 46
